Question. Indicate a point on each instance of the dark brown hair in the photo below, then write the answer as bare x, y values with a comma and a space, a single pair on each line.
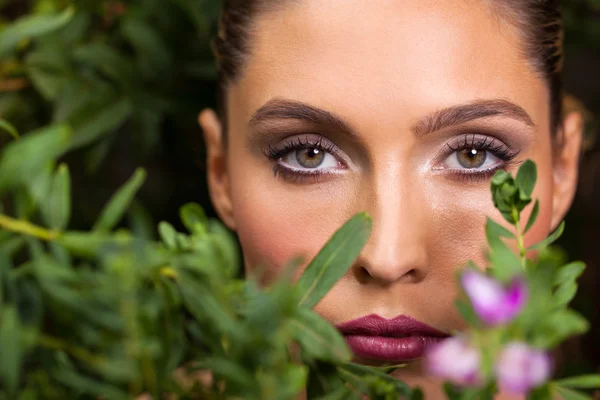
538, 21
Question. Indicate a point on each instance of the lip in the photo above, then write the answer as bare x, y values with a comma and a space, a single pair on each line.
402, 338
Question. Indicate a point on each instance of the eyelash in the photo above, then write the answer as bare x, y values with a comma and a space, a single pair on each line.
481, 143
466, 141
295, 144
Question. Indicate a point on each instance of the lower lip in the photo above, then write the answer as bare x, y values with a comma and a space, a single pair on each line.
390, 348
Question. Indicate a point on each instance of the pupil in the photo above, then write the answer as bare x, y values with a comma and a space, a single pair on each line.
312, 153
472, 158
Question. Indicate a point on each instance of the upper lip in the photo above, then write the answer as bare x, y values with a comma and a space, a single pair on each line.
400, 326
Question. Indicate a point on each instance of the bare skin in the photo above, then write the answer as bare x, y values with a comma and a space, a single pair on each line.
386, 69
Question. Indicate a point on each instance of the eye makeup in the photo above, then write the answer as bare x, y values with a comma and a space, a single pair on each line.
278, 154
452, 161
473, 144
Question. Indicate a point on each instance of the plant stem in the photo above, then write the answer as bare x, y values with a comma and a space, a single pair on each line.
27, 228
77, 352
520, 239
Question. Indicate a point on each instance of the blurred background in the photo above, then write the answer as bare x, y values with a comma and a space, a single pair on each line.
131, 77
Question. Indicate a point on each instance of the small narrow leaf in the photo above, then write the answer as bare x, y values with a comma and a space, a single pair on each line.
568, 394
493, 231
10, 366
564, 294
550, 239
92, 125
4, 125
31, 26
193, 217
526, 178
38, 148
359, 369
569, 273
581, 382
559, 326
334, 259
168, 234
318, 338
59, 203
533, 216
118, 204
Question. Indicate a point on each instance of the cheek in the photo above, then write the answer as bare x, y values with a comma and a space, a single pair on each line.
277, 222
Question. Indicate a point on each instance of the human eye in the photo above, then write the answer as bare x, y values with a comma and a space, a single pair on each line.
307, 156
476, 157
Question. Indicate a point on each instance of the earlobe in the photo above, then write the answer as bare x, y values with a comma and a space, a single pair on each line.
566, 166
216, 165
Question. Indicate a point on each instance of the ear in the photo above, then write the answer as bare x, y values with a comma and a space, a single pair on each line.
566, 166
216, 165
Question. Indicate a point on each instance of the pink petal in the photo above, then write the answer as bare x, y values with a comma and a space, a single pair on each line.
521, 368
493, 303
455, 360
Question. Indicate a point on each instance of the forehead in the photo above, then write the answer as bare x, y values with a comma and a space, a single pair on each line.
395, 60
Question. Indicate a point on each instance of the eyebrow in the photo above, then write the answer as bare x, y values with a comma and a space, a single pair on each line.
477, 109
278, 108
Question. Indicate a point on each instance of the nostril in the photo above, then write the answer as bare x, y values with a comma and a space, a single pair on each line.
387, 275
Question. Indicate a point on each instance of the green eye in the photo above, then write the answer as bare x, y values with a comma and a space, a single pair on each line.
310, 157
471, 158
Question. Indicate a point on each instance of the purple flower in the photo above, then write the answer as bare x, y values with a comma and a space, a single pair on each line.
454, 360
494, 303
521, 368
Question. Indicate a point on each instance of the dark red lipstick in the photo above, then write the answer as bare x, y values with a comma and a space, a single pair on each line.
400, 339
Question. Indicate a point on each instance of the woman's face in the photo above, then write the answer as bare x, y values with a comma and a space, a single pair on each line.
403, 109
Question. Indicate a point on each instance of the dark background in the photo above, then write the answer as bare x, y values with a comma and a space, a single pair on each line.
154, 55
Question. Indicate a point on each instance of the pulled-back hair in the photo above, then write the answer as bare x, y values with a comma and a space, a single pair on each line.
538, 21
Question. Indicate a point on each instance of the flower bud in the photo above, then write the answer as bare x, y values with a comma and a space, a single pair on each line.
491, 301
521, 368
455, 360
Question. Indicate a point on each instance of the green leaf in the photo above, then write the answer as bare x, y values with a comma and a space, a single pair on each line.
533, 216
334, 259
38, 148
493, 231
293, 379
90, 126
505, 264
10, 331
550, 239
417, 394
581, 382
559, 326
526, 178
364, 370
88, 385
89, 244
500, 177
569, 273
568, 394
31, 26
168, 234
118, 204
233, 372
153, 53
6, 126
194, 218
109, 61
318, 338
57, 208
564, 294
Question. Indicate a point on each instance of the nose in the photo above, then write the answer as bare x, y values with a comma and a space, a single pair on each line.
397, 248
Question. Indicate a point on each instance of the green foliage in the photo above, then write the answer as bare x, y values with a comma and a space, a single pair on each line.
105, 313
546, 320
